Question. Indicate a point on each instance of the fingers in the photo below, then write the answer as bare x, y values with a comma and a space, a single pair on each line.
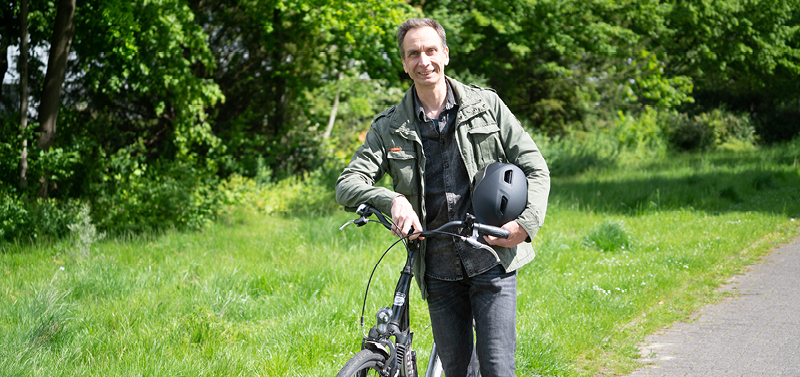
517, 235
404, 217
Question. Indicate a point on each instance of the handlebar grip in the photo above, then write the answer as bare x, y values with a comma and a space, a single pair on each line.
491, 230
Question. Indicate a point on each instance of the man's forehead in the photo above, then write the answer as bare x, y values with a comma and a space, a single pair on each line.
431, 35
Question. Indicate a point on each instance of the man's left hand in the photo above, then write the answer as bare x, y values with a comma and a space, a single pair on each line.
517, 235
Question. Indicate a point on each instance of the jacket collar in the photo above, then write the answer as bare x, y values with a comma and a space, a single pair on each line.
403, 120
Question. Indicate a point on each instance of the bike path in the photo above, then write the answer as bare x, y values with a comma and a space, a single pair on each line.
754, 334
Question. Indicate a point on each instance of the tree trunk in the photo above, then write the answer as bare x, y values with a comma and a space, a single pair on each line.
5, 43
335, 108
276, 120
60, 44
3, 58
8, 104
22, 68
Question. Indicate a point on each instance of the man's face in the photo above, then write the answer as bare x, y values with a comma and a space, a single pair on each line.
424, 57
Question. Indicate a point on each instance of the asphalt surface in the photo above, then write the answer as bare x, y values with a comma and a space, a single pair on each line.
756, 333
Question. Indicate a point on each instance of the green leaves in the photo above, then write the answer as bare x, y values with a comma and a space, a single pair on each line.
148, 62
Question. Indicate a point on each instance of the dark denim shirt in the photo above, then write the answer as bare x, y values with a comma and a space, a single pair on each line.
447, 196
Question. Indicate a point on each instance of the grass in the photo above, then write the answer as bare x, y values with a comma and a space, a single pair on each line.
623, 253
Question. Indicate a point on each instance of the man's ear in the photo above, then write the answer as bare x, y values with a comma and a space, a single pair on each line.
446, 56
405, 69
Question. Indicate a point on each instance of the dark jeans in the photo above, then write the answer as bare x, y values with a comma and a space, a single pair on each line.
491, 298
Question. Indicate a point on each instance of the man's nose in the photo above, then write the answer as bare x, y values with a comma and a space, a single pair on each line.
425, 60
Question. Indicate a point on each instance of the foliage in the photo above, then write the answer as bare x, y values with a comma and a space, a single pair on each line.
556, 62
166, 99
642, 136
14, 217
36, 220
779, 125
630, 138
136, 195
741, 53
136, 99
141, 69
609, 236
360, 102
11, 148
710, 130
85, 234
295, 195
273, 56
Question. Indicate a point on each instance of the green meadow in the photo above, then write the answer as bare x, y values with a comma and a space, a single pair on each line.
625, 250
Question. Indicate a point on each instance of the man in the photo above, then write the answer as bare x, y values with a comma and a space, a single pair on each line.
432, 143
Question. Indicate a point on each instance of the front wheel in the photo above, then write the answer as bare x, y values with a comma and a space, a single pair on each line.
364, 363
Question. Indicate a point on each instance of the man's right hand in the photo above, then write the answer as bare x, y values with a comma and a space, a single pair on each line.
404, 217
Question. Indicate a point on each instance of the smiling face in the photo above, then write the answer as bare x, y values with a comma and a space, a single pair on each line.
424, 57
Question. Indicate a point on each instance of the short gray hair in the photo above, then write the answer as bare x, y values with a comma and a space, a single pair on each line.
413, 23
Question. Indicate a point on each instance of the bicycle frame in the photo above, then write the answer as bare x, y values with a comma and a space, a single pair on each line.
399, 358
398, 353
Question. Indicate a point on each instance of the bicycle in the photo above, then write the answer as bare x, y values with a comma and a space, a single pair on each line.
381, 355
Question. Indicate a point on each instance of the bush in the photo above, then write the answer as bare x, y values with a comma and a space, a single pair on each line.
609, 236
36, 219
642, 136
309, 193
15, 217
164, 196
710, 130
778, 126
688, 134
628, 138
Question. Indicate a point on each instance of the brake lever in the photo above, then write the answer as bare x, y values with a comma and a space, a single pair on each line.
473, 241
361, 221
341, 228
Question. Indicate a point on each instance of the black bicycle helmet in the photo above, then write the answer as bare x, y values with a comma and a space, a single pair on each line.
500, 193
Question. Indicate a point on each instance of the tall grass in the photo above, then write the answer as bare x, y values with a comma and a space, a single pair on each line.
271, 294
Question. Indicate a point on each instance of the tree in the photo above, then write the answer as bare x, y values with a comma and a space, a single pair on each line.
741, 54
60, 44
270, 54
555, 62
140, 68
22, 67
9, 32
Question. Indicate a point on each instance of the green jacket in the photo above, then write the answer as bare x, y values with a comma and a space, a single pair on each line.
486, 131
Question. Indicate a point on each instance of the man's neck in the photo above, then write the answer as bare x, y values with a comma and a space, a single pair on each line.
433, 98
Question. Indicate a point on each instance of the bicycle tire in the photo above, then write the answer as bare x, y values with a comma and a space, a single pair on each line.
364, 363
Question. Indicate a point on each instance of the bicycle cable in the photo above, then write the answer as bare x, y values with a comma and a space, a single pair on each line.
369, 281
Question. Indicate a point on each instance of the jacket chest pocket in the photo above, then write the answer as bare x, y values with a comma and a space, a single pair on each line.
485, 138
403, 170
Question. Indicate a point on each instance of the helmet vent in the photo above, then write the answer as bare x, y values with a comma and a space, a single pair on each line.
503, 204
508, 175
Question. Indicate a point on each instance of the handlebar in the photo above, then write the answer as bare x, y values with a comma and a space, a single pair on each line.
480, 228
365, 210
475, 229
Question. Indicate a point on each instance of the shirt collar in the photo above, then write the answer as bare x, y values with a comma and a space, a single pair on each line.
449, 103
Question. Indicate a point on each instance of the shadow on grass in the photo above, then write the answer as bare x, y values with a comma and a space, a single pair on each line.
775, 190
